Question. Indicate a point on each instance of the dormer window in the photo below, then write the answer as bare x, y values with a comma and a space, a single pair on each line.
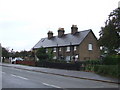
54, 49
90, 47
68, 49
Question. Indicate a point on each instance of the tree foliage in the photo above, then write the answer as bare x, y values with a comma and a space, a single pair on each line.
41, 54
5, 53
50, 53
110, 33
24, 54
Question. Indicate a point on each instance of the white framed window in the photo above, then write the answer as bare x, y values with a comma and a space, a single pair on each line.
67, 58
54, 49
75, 48
54, 57
101, 47
46, 50
68, 49
105, 51
90, 47
60, 49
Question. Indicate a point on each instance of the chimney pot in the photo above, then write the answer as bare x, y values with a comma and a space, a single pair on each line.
74, 29
50, 34
61, 32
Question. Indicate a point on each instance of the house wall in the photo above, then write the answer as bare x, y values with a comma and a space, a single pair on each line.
84, 53
64, 53
82, 49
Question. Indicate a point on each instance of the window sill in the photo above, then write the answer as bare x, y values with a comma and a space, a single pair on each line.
67, 51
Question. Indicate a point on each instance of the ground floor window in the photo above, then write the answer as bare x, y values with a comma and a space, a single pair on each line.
54, 57
67, 58
75, 57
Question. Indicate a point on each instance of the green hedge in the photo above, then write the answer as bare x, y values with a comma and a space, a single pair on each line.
93, 62
111, 60
59, 64
108, 60
109, 70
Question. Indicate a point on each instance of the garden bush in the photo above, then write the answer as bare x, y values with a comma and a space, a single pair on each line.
111, 60
109, 70
60, 65
92, 62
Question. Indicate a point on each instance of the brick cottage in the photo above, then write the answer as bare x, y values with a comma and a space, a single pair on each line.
77, 45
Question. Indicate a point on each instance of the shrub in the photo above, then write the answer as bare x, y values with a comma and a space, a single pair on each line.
111, 60
92, 62
109, 70
41, 54
59, 64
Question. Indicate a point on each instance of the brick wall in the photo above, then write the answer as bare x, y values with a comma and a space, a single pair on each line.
30, 63
84, 53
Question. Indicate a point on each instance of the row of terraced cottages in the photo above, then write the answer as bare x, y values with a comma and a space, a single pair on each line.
77, 45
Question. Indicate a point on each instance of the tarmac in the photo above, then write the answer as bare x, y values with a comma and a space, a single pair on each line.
66, 73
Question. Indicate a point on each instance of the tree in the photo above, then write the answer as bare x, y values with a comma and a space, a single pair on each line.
110, 34
50, 53
41, 54
5, 53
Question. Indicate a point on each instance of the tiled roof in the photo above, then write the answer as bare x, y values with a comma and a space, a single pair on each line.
66, 40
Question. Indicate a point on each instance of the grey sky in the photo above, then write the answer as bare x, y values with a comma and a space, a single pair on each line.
24, 22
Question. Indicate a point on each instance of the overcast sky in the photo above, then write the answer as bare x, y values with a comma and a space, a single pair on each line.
24, 22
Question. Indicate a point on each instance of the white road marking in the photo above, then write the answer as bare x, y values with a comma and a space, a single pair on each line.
51, 85
19, 77
17, 69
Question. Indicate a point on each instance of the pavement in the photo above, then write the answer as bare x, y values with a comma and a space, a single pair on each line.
66, 73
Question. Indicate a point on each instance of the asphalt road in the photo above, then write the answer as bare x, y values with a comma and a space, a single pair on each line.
17, 78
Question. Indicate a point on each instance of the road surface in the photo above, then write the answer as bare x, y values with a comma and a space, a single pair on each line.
17, 78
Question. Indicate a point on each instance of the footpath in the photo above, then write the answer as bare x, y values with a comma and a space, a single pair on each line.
66, 73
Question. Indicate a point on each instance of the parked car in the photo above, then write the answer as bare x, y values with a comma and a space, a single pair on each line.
16, 59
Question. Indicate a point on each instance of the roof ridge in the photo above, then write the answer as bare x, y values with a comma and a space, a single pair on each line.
68, 33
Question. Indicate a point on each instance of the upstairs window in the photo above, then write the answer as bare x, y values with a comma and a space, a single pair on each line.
59, 49
75, 48
54, 49
46, 50
90, 47
68, 49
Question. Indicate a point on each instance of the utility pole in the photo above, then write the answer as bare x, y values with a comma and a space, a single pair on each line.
57, 50
0, 53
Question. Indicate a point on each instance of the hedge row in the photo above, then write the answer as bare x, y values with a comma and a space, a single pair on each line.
60, 65
108, 70
92, 62
111, 70
111, 60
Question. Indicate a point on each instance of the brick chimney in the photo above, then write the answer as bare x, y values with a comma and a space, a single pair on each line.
50, 34
61, 32
74, 29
